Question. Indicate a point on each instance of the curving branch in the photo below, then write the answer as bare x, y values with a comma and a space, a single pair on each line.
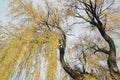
76, 75
95, 20
98, 49
69, 70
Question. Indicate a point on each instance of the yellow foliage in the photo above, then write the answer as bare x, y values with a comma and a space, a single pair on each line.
51, 50
89, 77
114, 17
24, 47
36, 73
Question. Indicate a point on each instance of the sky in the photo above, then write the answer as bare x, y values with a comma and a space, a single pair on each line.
4, 10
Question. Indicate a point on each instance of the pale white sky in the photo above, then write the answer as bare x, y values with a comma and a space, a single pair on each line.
4, 10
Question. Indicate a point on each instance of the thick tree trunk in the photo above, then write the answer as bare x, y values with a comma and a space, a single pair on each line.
62, 47
74, 74
66, 67
112, 64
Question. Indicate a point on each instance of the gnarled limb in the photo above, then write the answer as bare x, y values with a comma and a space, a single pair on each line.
68, 69
94, 12
76, 75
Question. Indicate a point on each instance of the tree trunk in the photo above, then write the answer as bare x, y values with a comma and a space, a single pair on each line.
63, 63
76, 75
112, 64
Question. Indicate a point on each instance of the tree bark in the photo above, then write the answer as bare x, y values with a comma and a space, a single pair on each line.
76, 75
66, 67
112, 64
94, 12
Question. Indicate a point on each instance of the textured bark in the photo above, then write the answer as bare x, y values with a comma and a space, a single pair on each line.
94, 18
112, 64
66, 67
76, 75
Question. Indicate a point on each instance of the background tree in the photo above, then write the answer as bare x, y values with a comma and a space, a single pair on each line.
95, 13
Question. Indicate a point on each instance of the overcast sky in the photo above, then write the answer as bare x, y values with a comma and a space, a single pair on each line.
4, 10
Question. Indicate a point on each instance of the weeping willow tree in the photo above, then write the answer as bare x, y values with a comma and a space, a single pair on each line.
37, 32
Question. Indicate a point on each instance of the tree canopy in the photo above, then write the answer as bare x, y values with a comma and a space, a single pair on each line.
36, 43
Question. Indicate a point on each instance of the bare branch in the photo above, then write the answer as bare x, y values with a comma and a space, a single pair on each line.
76, 23
48, 12
108, 6
102, 50
100, 8
91, 5
97, 49
80, 16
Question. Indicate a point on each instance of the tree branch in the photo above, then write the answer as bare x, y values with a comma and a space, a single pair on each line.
80, 16
102, 50
108, 6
